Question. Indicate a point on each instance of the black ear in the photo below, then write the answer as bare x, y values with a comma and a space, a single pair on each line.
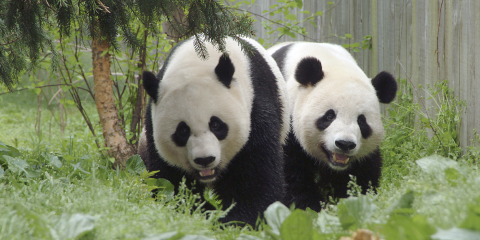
386, 86
309, 71
225, 70
150, 84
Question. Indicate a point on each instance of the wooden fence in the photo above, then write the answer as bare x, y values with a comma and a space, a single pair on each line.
432, 40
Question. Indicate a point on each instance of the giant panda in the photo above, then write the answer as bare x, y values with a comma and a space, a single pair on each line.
336, 122
219, 123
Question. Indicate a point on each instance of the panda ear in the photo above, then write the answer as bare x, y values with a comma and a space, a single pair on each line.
309, 71
386, 86
225, 70
150, 84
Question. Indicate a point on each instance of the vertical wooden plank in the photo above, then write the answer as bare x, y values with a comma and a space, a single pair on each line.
476, 79
380, 36
409, 36
399, 35
367, 30
355, 29
470, 77
414, 42
430, 55
375, 35
463, 60
441, 41
389, 36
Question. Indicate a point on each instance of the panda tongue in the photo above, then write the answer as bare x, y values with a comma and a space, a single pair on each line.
340, 158
206, 172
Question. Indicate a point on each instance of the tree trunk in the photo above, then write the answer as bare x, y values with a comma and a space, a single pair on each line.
113, 133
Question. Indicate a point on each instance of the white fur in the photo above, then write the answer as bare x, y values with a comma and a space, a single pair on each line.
191, 92
345, 88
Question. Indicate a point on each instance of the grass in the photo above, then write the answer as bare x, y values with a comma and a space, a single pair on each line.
58, 186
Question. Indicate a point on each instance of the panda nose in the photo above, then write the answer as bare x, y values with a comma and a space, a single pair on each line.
345, 145
204, 161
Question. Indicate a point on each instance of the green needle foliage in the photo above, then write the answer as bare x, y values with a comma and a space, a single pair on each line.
24, 26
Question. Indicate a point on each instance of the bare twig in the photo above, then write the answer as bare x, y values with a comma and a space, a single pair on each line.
425, 108
105, 8
14, 40
44, 86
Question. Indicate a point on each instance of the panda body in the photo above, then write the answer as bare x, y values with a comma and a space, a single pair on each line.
336, 122
219, 122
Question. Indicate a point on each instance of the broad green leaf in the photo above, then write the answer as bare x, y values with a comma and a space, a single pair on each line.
328, 223
16, 165
78, 167
2, 172
53, 160
291, 17
404, 227
436, 165
353, 212
424, 120
456, 234
275, 214
348, 35
72, 226
405, 201
167, 186
298, 225
135, 164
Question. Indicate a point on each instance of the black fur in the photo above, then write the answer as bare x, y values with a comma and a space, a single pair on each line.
386, 87
324, 121
254, 177
218, 128
280, 56
365, 129
225, 70
309, 71
311, 181
150, 84
181, 134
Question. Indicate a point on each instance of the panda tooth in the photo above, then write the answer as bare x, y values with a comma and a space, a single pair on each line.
201, 174
346, 160
213, 171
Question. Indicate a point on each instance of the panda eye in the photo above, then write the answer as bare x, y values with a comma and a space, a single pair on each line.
184, 132
215, 125
362, 121
218, 127
330, 117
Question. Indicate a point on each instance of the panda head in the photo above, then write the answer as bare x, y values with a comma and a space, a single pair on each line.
200, 113
336, 116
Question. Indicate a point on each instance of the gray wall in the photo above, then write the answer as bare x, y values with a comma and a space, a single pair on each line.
432, 39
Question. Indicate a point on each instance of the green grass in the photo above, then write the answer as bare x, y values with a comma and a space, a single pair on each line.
58, 186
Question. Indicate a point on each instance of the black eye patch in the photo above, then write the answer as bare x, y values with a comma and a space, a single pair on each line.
324, 121
218, 127
365, 129
181, 135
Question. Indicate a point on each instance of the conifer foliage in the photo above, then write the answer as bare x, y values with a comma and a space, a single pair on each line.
25, 40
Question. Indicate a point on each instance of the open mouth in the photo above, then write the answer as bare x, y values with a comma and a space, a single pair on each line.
336, 159
207, 174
